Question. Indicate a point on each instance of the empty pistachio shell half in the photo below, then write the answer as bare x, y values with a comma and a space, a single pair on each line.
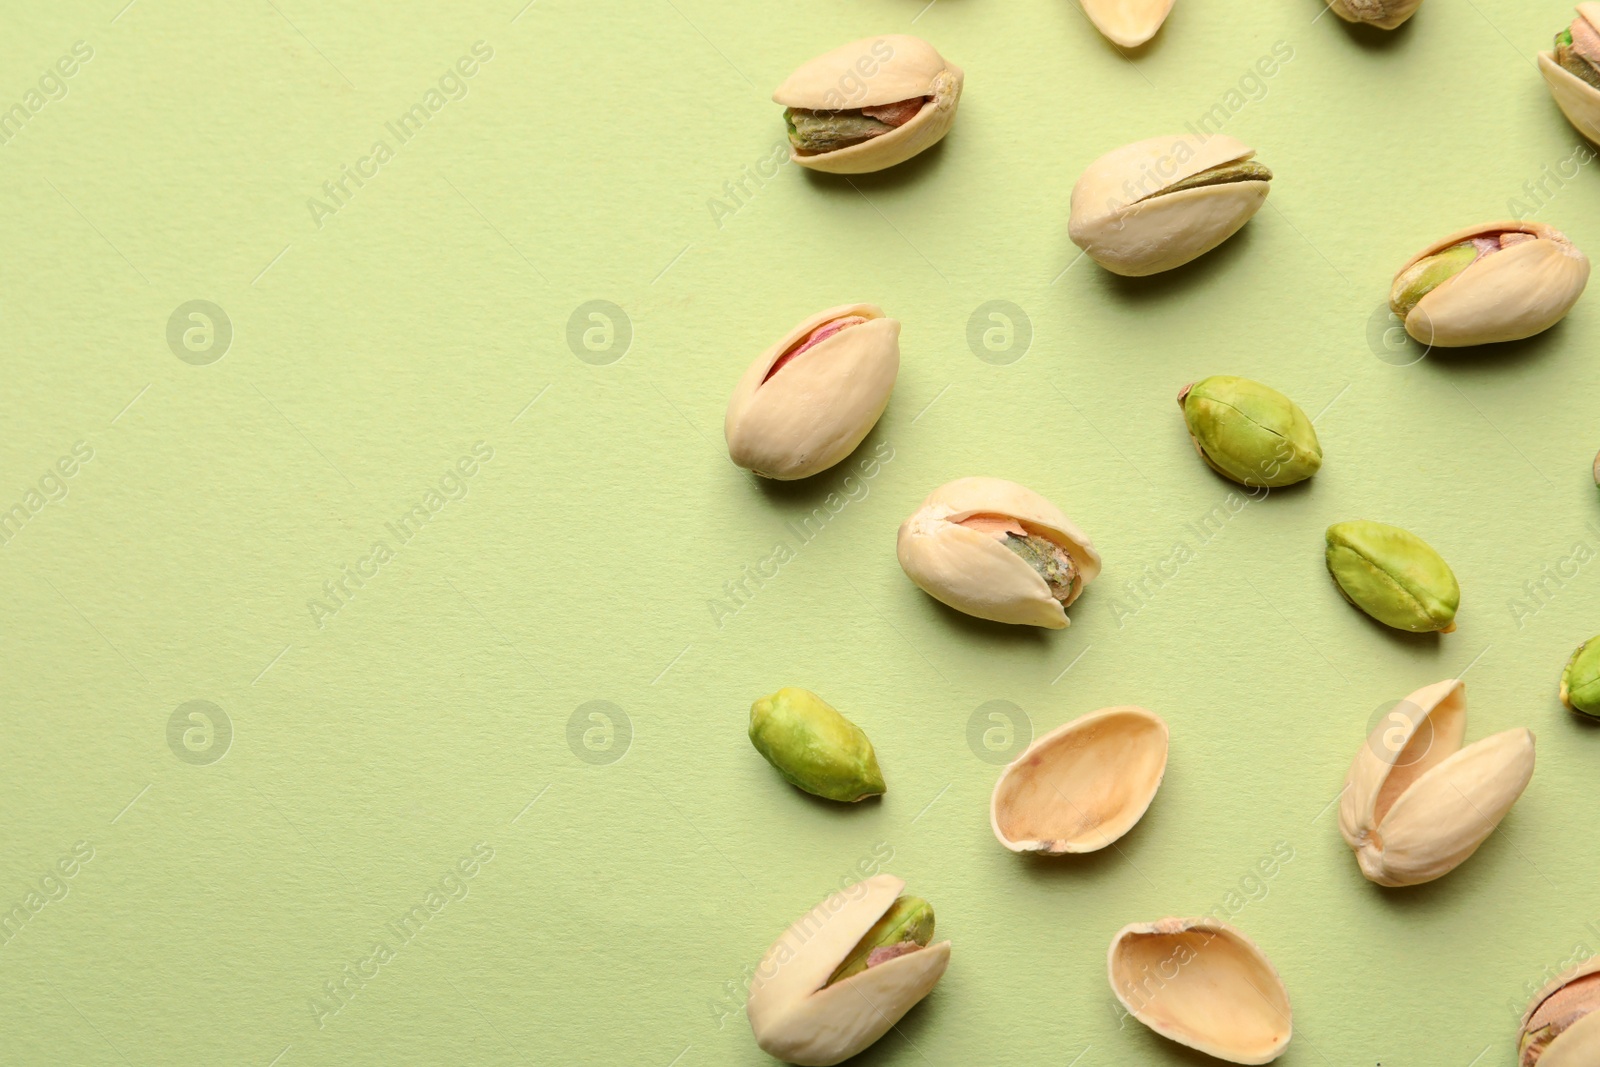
1250, 433
1384, 14
869, 104
810, 399
1572, 70
1204, 984
1129, 23
1561, 1027
801, 1013
1415, 803
1393, 575
1157, 204
1580, 681
814, 747
1501, 281
1082, 785
997, 550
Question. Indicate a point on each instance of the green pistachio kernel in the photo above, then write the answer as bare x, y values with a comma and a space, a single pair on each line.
1580, 681
905, 927
1393, 575
1051, 560
814, 747
1426, 275
828, 131
1240, 170
1250, 433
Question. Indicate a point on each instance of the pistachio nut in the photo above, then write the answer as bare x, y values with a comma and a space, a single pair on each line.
1572, 70
1249, 432
1384, 14
1415, 803
1204, 984
810, 399
804, 1010
1501, 281
1597, 470
1580, 680
1393, 575
1159, 203
1561, 1027
869, 104
814, 747
997, 550
1129, 23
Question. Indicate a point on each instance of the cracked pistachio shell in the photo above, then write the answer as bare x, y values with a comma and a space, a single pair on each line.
872, 72
1204, 984
972, 571
814, 747
1578, 100
1561, 1027
1580, 680
1416, 804
1129, 23
1504, 296
1121, 222
816, 408
1083, 785
1250, 433
1393, 575
1384, 14
799, 1018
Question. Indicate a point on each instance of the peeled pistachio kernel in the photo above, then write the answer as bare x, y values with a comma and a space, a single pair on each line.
1249, 432
1572, 70
1426, 275
814, 747
1129, 23
1561, 1027
1393, 575
1384, 14
905, 927
1580, 680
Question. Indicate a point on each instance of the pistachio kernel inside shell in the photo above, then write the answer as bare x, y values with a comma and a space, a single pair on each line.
1240, 170
1051, 560
1577, 50
1430, 272
813, 132
906, 927
1555, 1014
811, 340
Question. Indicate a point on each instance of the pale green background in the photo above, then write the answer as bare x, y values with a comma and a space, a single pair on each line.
621, 910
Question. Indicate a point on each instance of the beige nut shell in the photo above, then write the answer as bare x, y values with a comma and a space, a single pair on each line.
914, 69
1577, 99
797, 1020
820, 405
1384, 14
973, 572
1156, 233
1505, 296
1579, 1044
1129, 23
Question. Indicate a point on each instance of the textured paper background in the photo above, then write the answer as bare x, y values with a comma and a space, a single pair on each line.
442, 304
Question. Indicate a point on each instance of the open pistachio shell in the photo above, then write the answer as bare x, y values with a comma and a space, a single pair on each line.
799, 1017
1577, 99
1082, 785
955, 548
1127, 220
1561, 1027
793, 417
870, 73
1202, 983
1129, 23
1384, 14
1415, 803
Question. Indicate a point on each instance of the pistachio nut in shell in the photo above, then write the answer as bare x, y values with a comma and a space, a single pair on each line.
1384, 14
1580, 679
1250, 432
1416, 803
1204, 984
1157, 204
814, 747
869, 104
1393, 575
1082, 785
811, 398
997, 550
800, 1015
1501, 281
1572, 71
1561, 1027
1129, 23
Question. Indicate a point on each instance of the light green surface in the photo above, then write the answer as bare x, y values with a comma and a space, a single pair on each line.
621, 911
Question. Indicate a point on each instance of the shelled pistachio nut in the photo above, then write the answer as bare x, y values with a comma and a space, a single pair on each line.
869, 104
1580, 680
804, 1009
997, 550
1204, 984
1501, 281
814, 747
1572, 70
1129, 23
1250, 433
1083, 785
1393, 575
1561, 1027
1384, 14
1157, 204
810, 399
1415, 803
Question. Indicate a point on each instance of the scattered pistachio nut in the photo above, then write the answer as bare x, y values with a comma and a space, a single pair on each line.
1250, 433
1204, 984
804, 1009
997, 550
1597, 470
1572, 70
1561, 1027
1129, 23
1393, 575
814, 747
869, 104
1580, 680
1416, 804
1082, 785
810, 399
1384, 14
1159, 203
1501, 281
